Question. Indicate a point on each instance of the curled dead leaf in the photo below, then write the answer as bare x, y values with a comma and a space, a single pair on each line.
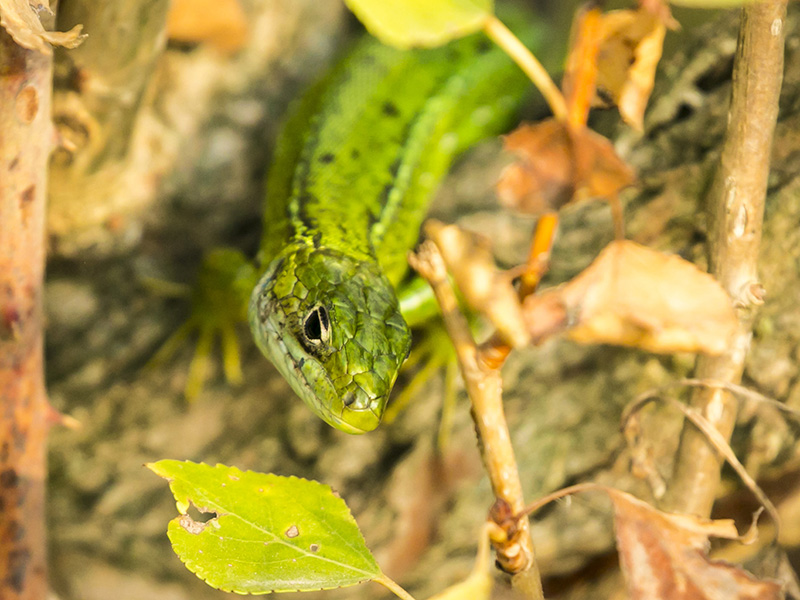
631, 46
486, 289
542, 179
557, 164
661, 10
633, 296
20, 19
221, 23
663, 556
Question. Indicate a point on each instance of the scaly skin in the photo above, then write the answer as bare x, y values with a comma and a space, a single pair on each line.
352, 177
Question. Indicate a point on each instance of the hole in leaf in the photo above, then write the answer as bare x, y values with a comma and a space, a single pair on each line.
196, 519
200, 515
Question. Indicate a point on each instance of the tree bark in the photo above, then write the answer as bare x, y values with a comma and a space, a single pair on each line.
25, 143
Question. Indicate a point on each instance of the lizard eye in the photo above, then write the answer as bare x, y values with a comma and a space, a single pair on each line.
317, 326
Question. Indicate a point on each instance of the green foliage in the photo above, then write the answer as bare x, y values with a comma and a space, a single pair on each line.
710, 3
270, 533
426, 23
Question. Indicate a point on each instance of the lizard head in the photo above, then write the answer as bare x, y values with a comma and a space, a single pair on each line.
331, 325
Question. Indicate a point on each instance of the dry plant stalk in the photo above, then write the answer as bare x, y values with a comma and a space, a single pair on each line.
736, 204
484, 387
99, 90
25, 142
503, 37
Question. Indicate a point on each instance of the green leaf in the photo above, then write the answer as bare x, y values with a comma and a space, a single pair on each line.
270, 533
711, 3
409, 23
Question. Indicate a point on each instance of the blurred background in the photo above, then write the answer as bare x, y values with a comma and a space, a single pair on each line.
167, 115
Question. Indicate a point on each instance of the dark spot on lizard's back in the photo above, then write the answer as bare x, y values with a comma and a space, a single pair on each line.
355, 153
483, 46
367, 59
326, 158
390, 109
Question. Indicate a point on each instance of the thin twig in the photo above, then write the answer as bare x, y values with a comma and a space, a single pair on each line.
737, 390
616, 495
393, 587
484, 386
503, 37
736, 205
714, 439
494, 351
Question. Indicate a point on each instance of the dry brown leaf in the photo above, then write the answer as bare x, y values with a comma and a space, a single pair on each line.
542, 179
21, 20
221, 23
486, 289
663, 556
633, 296
556, 165
661, 10
627, 61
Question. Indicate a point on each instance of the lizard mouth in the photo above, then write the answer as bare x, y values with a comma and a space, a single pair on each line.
309, 379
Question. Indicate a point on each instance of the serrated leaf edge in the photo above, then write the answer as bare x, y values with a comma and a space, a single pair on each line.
191, 564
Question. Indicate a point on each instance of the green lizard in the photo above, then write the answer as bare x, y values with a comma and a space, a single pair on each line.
354, 170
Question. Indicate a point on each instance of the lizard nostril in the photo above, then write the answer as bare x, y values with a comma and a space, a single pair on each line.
349, 398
